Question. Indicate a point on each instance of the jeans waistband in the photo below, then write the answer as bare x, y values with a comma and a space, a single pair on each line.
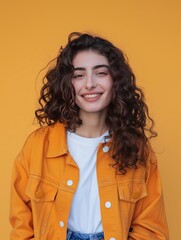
71, 235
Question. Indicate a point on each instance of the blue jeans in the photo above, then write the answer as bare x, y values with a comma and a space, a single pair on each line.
82, 236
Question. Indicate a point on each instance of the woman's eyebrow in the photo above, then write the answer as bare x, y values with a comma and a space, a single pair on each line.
79, 68
95, 67
100, 66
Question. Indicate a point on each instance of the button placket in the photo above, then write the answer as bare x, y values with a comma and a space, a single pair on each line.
107, 204
105, 149
69, 183
61, 224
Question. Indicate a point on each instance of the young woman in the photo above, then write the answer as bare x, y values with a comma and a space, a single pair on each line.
90, 172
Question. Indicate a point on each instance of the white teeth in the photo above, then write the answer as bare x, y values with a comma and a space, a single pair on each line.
91, 95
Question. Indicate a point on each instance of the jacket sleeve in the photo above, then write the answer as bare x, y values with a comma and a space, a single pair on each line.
20, 209
149, 219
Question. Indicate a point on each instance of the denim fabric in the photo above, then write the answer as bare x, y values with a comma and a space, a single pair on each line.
82, 236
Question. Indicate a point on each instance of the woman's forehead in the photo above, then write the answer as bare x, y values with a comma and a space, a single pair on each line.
89, 58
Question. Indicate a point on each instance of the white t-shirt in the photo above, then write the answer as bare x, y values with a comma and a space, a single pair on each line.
85, 214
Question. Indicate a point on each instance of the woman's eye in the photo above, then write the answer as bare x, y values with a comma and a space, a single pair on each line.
78, 76
101, 73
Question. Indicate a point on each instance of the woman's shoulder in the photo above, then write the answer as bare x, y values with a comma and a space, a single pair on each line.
45, 132
44, 141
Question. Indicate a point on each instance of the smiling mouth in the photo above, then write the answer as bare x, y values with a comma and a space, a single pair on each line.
91, 96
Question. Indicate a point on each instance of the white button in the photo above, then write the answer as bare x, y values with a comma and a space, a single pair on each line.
69, 182
105, 149
107, 204
112, 238
61, 224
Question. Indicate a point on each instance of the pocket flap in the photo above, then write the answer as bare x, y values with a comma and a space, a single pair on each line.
132, 190
40, 191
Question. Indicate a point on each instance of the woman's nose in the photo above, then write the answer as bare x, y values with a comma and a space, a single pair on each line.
90, 82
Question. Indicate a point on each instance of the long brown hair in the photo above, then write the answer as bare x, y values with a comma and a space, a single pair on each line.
128, 114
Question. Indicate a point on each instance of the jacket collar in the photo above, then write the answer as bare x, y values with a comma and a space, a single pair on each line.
56, 140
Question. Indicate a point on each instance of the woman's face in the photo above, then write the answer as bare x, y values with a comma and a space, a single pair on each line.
92, 82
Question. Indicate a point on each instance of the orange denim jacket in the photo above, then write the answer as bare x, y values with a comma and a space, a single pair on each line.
131, 205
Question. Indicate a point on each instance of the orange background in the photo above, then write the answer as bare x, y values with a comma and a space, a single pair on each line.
148, 31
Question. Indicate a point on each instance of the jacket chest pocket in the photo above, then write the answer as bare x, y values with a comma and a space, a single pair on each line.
42, 196
129, 193
132, 190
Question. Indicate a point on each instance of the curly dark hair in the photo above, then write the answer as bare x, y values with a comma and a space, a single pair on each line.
127, 117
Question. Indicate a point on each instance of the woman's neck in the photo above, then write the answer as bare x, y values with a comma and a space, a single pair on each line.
93, 125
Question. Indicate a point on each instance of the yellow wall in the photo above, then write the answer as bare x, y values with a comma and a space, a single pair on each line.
148, 31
